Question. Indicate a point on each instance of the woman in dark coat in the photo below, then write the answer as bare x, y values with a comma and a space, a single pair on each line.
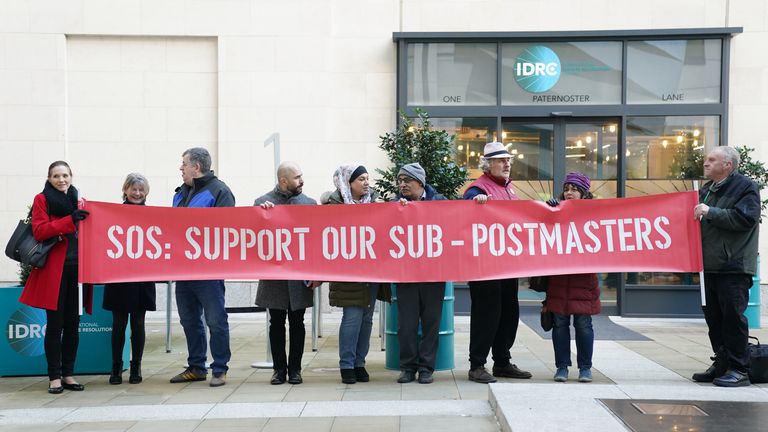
576, 295
357, 299
54, 286
130, 300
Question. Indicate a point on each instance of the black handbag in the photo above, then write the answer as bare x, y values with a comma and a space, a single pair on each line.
538, 283
758, 362
547, 318
23, 247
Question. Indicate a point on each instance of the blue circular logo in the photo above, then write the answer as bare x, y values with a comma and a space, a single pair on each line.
26, 331
537, 69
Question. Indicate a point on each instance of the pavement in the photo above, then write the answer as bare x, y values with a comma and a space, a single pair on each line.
657, 368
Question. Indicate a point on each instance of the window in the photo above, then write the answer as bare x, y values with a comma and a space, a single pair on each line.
447, 74
674, 71
563, 73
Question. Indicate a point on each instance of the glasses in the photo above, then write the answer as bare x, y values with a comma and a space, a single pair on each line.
405, 180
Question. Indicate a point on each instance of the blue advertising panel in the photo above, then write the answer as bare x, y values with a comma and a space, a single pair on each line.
21, 347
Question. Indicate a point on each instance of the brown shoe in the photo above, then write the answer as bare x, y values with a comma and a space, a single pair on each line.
510, 371
480, 375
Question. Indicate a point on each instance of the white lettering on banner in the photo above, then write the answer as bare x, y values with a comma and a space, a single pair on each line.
349, 242
135, 237
419, 238
550, 238
220, 241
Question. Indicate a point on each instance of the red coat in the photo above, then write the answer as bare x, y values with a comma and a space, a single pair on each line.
43, 284
576, 294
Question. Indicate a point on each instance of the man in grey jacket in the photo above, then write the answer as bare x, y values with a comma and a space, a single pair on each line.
729, 212
286, 298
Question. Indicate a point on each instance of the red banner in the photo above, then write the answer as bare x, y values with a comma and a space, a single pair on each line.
389, 242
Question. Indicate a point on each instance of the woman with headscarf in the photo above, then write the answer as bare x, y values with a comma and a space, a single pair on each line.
55, 214
358, 299
129, 300
576, 295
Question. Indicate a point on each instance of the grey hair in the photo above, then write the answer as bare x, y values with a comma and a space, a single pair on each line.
200, 156
485, 165
731, 155
132, 179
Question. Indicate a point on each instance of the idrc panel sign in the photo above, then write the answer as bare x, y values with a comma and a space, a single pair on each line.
22, 346
537, 69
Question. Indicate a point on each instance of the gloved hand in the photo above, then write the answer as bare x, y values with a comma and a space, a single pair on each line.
79, 215
553, 202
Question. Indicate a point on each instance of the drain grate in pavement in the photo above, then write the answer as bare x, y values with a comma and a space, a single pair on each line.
686, 415
669, 409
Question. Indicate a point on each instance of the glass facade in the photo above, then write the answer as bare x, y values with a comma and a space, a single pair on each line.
636, 113
451, 74
674, 71
565, 73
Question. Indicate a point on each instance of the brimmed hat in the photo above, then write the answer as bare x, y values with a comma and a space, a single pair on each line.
414, 171
495, 150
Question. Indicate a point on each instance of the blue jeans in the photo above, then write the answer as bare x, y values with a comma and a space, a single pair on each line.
355, 333
195, 299
561, 340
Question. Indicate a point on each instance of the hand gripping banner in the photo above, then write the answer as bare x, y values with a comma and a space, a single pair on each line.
389, 242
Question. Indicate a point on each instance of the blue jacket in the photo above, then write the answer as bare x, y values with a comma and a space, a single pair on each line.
208, 191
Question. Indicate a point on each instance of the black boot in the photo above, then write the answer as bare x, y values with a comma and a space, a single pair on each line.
718, 369
117, 373
135, 376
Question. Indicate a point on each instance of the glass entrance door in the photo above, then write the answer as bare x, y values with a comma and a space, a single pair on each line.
545, 150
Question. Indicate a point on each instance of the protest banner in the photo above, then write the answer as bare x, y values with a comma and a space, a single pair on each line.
390, 242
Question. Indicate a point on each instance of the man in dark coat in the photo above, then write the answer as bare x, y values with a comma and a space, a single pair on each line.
421, 301
729, 212
286, 298
195, 299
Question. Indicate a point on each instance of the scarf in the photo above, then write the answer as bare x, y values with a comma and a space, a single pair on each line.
341, 181
59, 203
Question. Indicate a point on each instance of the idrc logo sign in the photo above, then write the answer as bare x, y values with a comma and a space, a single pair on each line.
26, 331
537, 69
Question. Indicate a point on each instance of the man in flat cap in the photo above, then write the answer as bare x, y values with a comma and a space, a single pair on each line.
495, 311
420, 301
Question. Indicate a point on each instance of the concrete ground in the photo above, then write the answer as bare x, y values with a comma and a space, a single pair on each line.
655, 369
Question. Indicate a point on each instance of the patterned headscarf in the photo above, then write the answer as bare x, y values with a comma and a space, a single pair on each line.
341, 181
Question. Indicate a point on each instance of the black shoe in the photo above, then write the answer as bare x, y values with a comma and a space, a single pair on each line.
73, 387
361, 374
295, 377
348, 376
510, 371
406, 376
278, 378
712, 372
135, 376
425, 377
116, 377
732, 378
56, 390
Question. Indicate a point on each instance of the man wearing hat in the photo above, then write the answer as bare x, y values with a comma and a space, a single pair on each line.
495, 309
421, 301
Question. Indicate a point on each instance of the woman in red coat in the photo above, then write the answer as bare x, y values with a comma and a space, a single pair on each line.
574, 295
54, 287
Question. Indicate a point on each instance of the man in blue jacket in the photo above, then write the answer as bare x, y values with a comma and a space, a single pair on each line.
195, 299
729, 212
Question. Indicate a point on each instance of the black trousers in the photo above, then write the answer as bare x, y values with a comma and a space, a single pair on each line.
119, 324
495, 314
727, 297
296, 334
62, 328
419, 302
